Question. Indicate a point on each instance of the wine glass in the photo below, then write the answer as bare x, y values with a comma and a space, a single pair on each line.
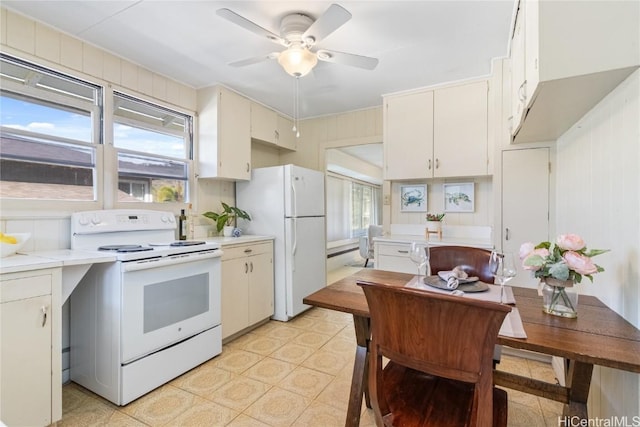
419, 254
503, 269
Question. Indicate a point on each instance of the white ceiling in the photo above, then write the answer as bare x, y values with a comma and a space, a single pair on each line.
418, 43
370, 153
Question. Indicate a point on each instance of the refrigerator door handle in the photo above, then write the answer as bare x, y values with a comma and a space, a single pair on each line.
294, 201
294, 247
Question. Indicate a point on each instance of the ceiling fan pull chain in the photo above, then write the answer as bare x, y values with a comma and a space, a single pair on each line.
296, 104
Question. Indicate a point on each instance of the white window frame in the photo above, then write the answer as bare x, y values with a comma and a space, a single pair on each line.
44, 207
111, 155
106, 168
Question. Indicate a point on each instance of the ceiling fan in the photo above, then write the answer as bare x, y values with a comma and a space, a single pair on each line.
299, 33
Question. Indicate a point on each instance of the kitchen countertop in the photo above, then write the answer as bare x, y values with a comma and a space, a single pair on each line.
26, 261
435, 241
249, 238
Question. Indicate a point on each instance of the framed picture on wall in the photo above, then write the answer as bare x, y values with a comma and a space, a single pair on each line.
413, 198
459, 197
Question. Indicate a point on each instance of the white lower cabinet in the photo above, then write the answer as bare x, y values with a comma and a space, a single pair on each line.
30, 365
394, 257
247, 286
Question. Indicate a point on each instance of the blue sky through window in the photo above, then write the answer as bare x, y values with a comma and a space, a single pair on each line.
145, 141
76, 125
32, 117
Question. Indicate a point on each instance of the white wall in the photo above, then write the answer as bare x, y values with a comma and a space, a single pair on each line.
35, 42
598, 197
483, 203
345, 164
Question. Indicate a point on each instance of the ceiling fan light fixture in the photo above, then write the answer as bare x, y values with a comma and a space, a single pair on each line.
297, 61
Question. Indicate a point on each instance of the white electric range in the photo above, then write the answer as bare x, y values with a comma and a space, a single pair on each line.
151, 315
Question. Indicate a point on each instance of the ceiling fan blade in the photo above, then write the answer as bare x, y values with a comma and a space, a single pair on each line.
359, 61
251, 26
332, 19
254, 60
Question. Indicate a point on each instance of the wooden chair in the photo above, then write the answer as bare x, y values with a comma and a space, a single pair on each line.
474, 261
440, 350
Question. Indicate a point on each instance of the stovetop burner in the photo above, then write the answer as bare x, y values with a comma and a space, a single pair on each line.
187, 243
125, 248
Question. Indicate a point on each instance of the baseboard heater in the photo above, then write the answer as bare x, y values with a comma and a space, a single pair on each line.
342, 252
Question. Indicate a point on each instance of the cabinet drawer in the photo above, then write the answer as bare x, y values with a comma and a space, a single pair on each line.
396, 263
232, 252
25, 287
393, 250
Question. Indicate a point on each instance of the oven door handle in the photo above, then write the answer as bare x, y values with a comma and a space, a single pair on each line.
170, 260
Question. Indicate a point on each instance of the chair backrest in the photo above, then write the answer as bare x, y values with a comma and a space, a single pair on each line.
442, 335
474, 261
373, 231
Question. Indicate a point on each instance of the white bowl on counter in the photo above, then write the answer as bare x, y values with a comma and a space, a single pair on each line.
9, 249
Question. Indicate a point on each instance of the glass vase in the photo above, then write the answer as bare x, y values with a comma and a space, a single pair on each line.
559, 297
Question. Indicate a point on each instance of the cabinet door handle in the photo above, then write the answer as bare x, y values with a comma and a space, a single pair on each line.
429, 165
403, 252
44, 315
251, 263
246, 268
248, 251
437, 163
521, 91
248, 167
506, 234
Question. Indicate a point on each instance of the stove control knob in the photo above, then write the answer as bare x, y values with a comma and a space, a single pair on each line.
83, 220
172, 219
95, 220
164, 218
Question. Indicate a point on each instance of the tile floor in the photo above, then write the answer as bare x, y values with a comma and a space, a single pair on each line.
296, 373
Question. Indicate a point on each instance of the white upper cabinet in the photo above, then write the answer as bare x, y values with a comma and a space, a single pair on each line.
460, 120
285, 134
437, 133
408, 136
224, 143
271, 128
518, 80
264, 123
574, 53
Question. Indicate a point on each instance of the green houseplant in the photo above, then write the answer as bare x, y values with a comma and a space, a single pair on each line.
227, 217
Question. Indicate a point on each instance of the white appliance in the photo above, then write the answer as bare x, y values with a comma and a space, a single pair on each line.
151, 315
288, 202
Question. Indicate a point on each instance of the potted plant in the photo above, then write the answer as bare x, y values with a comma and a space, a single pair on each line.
559, 266
434, 224
225, 220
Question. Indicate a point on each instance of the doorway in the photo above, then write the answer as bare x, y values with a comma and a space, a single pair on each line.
354, 198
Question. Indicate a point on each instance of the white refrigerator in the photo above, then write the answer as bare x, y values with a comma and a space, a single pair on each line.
288, 203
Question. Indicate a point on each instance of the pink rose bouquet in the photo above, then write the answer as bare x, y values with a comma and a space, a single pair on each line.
568, 259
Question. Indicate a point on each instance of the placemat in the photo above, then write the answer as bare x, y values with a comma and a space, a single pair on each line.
512, 324
492, 294
437, 282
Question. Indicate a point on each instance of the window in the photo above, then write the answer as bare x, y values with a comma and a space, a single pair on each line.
363, 213
49, 133
154, 151
351, 207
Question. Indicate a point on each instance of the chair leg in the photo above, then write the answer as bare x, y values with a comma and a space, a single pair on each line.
366, 261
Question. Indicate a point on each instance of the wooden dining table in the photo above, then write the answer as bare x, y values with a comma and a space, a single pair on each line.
598, 336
